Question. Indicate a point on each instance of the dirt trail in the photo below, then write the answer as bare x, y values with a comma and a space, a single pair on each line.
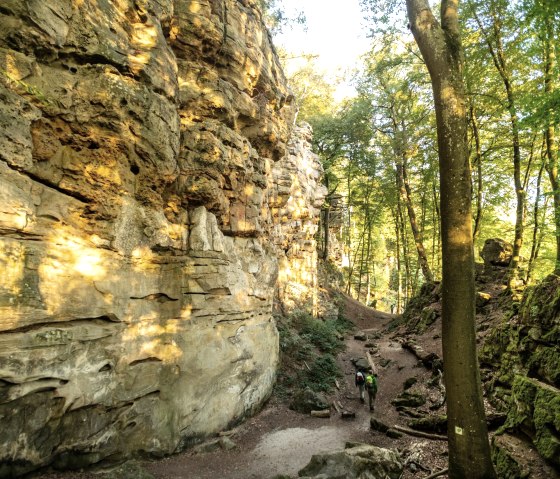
281, 441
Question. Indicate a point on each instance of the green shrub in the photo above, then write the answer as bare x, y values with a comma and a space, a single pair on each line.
324, 371
308, 347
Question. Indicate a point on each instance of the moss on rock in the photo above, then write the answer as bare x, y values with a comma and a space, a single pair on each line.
507, 465
535, 411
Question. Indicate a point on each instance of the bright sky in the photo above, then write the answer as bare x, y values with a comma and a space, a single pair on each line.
335, 31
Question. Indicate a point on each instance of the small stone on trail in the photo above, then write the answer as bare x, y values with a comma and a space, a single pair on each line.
410, 382
361, 336
384, 362
348, 415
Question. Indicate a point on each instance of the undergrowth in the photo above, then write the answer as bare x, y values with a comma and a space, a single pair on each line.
308, 349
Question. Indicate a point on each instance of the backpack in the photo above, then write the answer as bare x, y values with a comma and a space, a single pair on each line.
360, 378
371, 382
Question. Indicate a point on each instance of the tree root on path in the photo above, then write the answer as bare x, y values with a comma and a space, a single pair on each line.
412, 432
437, 474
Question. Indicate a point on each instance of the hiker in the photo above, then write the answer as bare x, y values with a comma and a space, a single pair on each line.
371, 387
360, 380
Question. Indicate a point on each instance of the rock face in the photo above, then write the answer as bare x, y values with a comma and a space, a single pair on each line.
150, 196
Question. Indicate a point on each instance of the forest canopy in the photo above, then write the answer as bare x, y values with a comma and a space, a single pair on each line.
379, 148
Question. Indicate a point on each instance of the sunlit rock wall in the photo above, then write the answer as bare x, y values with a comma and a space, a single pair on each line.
296, 207
144, 211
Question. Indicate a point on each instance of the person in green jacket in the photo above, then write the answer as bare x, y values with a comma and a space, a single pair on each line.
371, 388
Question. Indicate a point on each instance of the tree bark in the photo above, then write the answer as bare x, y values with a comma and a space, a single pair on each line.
440, 46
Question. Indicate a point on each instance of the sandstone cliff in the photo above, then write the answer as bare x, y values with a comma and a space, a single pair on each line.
150, 197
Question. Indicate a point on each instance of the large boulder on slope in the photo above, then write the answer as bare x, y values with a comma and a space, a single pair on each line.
496, 252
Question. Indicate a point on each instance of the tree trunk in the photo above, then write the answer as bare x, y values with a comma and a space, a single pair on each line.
404, 190
436, 246
550, 135
536, 226
442, 51
325, 223
398, 248
478, 162
405, 256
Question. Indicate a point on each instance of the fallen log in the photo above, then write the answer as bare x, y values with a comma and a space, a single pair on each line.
371, 363
412, 432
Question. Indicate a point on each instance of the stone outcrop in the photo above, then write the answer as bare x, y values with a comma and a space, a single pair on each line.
356, 461
535, 412
150, 197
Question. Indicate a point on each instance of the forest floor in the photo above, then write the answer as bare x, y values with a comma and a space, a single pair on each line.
279, 441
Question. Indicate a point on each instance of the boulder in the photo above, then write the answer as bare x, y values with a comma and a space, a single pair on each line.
393, 433
306, 400
496, 252
361, 363
362, 461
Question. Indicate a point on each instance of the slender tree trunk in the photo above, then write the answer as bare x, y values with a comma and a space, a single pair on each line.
550, 135
398, 253
440, 45
406, 196
368, 252
405, 256
326, 220
536, 225
437, 230
478, 163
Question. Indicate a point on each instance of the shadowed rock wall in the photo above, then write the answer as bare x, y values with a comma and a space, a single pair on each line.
149, 190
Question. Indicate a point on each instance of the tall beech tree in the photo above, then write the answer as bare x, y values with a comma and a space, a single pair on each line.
440, 45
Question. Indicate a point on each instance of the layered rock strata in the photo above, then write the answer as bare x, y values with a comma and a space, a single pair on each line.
148, 194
